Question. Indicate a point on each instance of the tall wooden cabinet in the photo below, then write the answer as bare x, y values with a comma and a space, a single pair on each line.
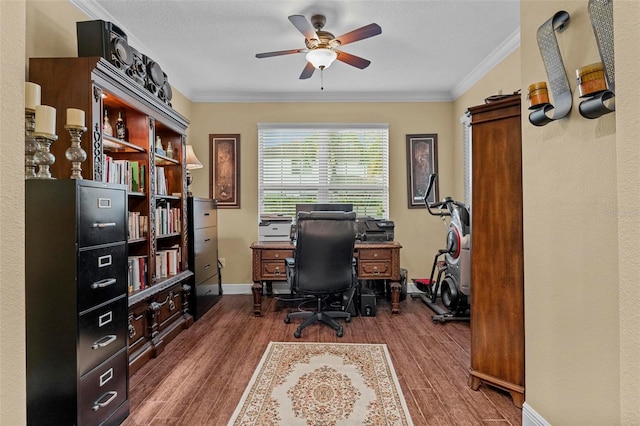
497, 265
149, 160
76, 302
203, 252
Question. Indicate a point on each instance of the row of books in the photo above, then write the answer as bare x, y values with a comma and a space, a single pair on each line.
138, 269
125, 172
168, 262
168, 220
138, 225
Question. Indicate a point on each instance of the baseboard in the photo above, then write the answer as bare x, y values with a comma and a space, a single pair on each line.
530, 417
278, 288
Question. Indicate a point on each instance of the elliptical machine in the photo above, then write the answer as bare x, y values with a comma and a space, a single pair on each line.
453, 284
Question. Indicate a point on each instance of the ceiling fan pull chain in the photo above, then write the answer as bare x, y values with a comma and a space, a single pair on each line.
322, 78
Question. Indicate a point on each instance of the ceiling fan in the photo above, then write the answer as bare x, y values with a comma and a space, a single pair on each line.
322, 46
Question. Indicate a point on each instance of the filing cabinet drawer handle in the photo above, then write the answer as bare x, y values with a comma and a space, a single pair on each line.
103, 283
206, 240
104, 341
108, 397
207, 266
103, 224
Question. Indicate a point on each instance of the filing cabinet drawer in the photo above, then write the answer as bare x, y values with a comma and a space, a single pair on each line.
277, 254
102, 334
373, 254
274, 270
103, 390
102, 216
374, 270
102, 275
206, 240
204, 214
206, 265
170, 306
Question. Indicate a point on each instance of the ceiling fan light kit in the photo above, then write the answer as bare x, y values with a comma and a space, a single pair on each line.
322, 47
321, 58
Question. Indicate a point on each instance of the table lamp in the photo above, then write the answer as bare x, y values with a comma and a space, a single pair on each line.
192, 164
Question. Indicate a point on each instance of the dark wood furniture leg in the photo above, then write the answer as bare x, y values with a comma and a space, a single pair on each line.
395, 297
256, 289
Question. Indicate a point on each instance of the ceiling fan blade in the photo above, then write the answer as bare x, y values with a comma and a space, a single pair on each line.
360, 34
352, 60
307, 72
279, 53
304, 26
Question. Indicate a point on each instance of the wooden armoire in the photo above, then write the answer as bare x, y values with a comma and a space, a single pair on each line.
497, 264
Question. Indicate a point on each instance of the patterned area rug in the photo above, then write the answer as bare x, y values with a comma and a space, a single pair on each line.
323, 384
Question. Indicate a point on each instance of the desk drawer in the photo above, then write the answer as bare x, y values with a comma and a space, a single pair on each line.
374, 270
274, 270
276, 255
374, 254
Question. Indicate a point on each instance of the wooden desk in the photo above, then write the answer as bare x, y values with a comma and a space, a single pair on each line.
375, 260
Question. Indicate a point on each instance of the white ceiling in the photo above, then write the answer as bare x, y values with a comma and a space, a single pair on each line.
429, 50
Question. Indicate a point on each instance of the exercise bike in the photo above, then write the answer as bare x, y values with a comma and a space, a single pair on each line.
452, 283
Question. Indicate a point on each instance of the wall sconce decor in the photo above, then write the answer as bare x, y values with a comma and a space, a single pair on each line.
591, 78
543, 112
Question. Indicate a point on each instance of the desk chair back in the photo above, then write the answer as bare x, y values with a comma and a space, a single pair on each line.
324, 252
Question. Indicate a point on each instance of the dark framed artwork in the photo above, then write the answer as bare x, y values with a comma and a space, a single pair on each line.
422, 160
224, 183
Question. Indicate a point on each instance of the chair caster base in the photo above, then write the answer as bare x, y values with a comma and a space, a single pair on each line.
297, 334
339, 332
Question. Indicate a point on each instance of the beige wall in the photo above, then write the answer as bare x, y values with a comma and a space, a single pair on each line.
12, 315
627, 35
420, 234
571, 218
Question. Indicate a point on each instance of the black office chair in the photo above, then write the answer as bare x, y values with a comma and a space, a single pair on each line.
323, 264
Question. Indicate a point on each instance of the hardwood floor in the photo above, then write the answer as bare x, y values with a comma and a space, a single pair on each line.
201, 375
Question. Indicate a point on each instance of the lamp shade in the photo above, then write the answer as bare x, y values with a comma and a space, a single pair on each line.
192, 160
321, 58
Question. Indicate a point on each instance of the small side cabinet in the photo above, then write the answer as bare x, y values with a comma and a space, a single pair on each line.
203, 254
76, 302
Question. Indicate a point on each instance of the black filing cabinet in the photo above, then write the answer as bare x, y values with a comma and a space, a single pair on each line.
203, 254
76, 302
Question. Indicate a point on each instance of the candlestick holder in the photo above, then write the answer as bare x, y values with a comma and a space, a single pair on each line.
75, 153
30, 143
44, 158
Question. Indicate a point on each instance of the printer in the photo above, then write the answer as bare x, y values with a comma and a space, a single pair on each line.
274, 228
371, 229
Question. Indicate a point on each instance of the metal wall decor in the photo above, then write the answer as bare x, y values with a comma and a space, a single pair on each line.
545, 112
602, 100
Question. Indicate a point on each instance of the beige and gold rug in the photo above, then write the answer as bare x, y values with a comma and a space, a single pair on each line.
324, 384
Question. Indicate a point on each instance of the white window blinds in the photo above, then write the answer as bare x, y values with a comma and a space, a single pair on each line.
323, 163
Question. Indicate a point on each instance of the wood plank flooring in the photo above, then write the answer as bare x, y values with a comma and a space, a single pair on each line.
201, 375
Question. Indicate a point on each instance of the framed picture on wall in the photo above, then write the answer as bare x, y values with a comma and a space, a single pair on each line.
422, 160
224, 183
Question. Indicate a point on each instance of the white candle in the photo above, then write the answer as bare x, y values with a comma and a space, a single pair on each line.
45, 119
75, 117
31, 95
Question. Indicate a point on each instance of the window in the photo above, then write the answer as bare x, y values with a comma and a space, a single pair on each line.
323, 163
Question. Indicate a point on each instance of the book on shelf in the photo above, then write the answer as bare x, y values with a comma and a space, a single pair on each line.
138, 269
168, 262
